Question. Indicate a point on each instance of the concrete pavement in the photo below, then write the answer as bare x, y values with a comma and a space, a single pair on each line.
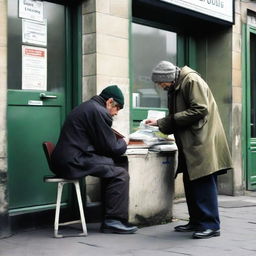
238, 237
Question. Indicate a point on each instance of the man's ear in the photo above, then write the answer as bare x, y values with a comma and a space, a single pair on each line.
109, 102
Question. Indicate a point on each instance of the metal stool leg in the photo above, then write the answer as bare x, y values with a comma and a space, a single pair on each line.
80, 204
57, 211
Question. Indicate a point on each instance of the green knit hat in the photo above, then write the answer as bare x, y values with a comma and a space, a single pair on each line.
114, 92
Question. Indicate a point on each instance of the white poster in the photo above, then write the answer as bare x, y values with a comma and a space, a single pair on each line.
34, 68
31, 9
221, 9
34, 32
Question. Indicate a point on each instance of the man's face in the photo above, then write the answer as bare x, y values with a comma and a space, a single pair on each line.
112, 107
165, 85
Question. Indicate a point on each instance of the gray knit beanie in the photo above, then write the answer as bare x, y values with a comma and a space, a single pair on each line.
164, 71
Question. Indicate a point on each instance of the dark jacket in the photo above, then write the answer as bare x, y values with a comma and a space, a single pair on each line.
194, 119
87, 144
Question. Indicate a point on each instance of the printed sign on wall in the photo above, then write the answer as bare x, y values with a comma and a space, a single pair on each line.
31, 9
34, 32
34, 68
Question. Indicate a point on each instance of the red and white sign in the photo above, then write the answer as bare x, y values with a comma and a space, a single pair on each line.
34, 68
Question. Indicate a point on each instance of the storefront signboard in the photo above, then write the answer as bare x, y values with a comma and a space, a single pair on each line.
220, 9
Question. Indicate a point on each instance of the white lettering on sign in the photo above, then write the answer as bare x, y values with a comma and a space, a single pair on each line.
220, 9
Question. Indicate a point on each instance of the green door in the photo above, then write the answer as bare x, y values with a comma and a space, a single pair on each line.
38, 79
251, 109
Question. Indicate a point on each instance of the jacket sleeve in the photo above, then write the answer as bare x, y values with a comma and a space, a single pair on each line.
195, 95
166, 125
102, 136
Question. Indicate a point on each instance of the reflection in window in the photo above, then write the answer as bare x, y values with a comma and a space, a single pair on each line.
150, 46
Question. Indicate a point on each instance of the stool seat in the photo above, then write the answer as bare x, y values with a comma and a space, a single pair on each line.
48, 149
57, 179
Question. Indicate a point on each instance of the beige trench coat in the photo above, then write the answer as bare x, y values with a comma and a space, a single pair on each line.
194, 119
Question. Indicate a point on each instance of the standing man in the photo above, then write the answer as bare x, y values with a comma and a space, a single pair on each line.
88, 146
202, 145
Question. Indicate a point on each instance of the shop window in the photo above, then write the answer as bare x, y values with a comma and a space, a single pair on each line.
150, 45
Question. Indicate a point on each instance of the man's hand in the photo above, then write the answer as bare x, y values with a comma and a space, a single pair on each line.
126, 140
151, 122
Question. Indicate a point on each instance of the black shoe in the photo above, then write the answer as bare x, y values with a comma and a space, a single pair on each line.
186, 228
206, 233
116, 226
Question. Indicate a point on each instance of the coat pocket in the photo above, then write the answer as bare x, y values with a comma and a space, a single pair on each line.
199, 124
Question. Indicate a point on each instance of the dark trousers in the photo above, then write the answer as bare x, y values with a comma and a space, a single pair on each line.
115, 191
201, 195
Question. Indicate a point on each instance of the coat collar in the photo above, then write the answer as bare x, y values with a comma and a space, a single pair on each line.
183, 73
99, 100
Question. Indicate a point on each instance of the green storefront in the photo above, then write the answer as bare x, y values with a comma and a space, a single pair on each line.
47, 77
185, 37
194, 33
249, 101
44, 83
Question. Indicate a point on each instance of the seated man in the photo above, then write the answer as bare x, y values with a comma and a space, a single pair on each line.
88, 146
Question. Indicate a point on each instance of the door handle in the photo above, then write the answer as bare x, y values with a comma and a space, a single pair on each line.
43, 96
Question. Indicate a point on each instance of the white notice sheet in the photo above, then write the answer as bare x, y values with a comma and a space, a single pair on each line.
34, 32
34, 68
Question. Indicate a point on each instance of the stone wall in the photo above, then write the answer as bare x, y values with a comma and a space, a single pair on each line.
106, 61
237, 176
106, 51
4, 228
